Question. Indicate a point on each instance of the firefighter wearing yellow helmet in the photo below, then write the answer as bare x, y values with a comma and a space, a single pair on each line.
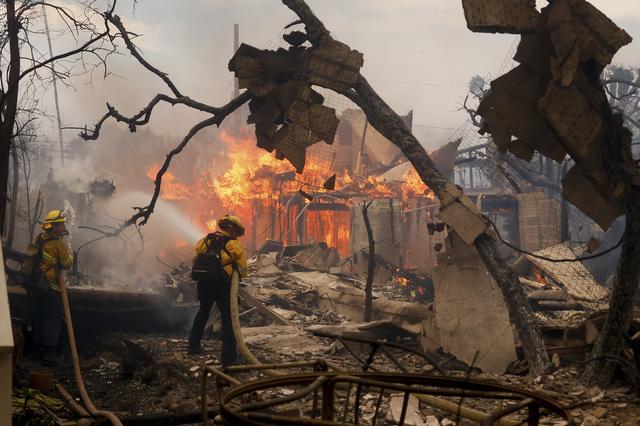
50, 255
217, 255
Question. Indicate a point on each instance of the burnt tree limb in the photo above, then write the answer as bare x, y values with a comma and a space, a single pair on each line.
217, 116
389, 124
611, 340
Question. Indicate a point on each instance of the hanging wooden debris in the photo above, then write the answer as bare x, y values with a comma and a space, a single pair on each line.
582, 193
257, 70
581, 33
552, 103
333, 65
288, 114
511, 109
501, 16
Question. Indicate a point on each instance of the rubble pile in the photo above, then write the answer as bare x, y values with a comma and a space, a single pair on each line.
295, 313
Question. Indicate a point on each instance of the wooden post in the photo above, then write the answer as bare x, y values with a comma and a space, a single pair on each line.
254, 223
359, 159
368, 288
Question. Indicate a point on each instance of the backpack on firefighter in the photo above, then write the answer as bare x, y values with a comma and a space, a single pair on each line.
34, 277
208, 266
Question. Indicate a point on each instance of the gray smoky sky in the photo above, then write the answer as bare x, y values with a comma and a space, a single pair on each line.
418, 55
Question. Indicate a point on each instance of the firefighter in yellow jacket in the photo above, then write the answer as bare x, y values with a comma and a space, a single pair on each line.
221, 250
50, 255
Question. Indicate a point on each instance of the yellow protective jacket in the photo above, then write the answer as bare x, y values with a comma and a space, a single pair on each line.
55, 256
234, 249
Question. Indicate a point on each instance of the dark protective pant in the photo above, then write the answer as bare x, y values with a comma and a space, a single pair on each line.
208, 294
46, 319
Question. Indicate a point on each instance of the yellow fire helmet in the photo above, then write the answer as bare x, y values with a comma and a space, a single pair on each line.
229, 220
54, 216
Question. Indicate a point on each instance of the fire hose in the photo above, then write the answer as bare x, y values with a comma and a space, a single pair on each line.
435, 402
237, 330
84, 395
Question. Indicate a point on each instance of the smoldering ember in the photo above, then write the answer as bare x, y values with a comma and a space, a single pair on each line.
320, 212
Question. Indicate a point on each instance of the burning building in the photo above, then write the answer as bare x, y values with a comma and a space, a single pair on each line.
320, 205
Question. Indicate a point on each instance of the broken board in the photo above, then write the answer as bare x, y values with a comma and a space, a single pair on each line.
470, 311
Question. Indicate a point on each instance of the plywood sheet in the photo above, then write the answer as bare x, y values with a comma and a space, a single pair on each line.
470, 311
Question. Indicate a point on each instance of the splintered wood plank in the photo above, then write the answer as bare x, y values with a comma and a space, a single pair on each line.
262, 308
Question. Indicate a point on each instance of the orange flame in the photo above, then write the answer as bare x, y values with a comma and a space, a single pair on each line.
171, 188
539, 277
402, 281
413, 187
246, 180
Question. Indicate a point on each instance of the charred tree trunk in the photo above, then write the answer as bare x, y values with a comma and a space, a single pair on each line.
8, 109
371, 266
615, 146
390, 125
611, 340
5, 155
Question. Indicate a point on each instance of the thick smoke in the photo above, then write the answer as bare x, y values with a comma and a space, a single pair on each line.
136, 258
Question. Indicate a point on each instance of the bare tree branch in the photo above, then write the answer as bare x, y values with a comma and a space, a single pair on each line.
115, 20
473, 114
145, 212
142, 118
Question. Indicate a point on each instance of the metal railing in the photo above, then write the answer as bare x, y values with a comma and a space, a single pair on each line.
335, 397
332, 400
